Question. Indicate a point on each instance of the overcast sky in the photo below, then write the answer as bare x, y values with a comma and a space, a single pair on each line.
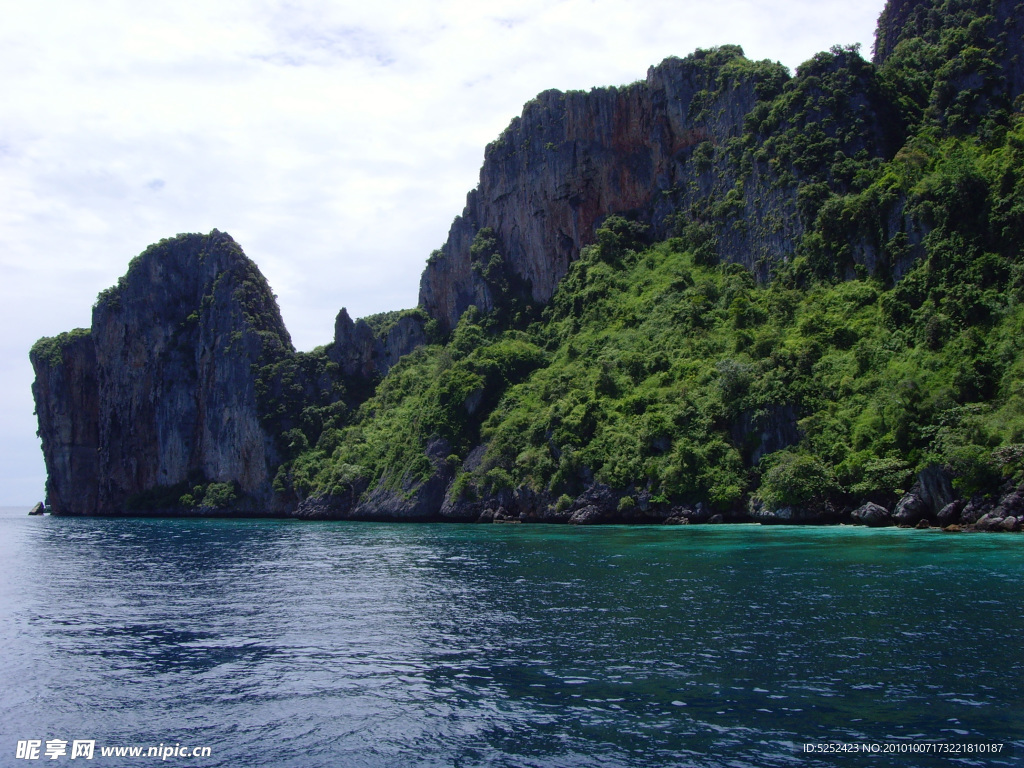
335, 141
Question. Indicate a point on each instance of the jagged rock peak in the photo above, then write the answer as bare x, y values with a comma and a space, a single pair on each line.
370, 347
160, 392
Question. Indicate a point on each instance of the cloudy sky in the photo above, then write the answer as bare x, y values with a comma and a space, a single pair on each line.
335, 141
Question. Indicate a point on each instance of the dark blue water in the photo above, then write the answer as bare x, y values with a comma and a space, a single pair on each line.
343, 644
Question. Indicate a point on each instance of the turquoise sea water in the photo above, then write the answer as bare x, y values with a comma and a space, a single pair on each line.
282, 643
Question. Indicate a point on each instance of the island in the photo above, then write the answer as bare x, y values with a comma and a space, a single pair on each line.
722, 293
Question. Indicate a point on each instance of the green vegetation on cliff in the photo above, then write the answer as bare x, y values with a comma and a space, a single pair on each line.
50, 349
653, 368
800, 294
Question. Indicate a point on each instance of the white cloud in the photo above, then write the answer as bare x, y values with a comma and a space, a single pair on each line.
334, 140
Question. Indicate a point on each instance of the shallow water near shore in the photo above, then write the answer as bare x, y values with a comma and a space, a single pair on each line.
282, 643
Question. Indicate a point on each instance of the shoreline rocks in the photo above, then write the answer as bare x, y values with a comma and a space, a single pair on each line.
872, 515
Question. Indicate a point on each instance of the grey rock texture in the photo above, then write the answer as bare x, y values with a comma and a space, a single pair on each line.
766, 431
910, 509
872, 515
1011, 504
66, 394
927, 499
652, 150
588, 515
162, 390
683, 515
330, 507
935, 489
765, 514
1001, 512
950, 514
1009, 524
975, 509
368, 352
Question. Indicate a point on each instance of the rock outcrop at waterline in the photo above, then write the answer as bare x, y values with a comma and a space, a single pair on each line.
159, 394
66, 394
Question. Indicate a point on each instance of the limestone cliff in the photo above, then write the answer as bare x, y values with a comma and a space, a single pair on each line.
687, 145
160, 393
67, 405
369, 347
710, 141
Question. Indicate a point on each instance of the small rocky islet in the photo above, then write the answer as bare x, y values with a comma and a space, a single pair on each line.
723, 293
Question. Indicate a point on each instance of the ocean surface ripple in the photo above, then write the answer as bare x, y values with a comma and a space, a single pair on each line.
282, 643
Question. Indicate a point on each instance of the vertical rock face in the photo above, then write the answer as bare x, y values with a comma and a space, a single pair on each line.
570, 160
672, 144
162, 389
67, 405
370, 347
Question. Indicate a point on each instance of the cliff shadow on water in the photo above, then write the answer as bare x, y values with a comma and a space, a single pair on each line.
723, 293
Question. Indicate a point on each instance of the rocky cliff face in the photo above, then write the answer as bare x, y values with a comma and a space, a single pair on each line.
709, 141
688, 145
160, 394
67, 404
369, 347
569, 161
